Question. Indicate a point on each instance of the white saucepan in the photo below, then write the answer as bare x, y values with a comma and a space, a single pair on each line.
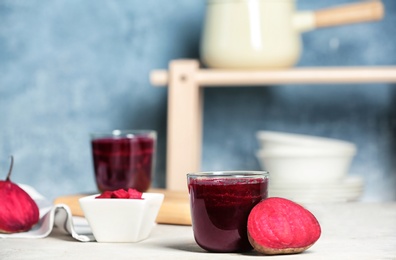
256, 34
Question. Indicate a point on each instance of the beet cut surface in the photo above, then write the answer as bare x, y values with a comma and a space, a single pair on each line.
281, 226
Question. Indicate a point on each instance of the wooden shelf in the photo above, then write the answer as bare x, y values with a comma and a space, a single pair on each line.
186, 80
216, 77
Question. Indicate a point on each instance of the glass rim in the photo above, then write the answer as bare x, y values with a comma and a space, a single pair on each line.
229, 174
123, 133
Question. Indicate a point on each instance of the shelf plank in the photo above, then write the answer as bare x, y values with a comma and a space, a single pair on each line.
301, 75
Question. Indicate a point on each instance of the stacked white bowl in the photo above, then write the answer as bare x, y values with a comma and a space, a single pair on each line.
308, 168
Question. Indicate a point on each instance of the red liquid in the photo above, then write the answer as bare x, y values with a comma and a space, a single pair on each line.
220, 209
122, 163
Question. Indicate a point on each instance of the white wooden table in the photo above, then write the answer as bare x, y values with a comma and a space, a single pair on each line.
349, 231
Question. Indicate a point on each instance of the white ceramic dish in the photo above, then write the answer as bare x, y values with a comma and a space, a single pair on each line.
349, 189
293, 166
280, 140
296, 158
121, 220
319, 193
349, 183
318, 197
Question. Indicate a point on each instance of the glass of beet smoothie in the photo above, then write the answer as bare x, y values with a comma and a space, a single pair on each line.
220, 205
124, 159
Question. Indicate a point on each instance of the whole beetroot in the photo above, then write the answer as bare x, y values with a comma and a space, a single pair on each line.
18, 211
281, 226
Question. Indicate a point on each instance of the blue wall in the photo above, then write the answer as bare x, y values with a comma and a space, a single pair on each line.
70, 67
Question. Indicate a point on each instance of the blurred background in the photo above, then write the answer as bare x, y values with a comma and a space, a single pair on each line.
69, 68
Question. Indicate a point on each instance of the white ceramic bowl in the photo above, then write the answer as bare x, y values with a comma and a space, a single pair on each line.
121, 220
279, 140
306, 165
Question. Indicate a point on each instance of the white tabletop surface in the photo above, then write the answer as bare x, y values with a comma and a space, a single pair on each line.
349, 231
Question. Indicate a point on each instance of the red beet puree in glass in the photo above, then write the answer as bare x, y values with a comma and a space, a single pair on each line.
220, 208
122, 162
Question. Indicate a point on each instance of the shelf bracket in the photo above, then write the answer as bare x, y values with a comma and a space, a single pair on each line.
184, 127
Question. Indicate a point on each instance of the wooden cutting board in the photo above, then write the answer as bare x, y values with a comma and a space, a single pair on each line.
174, 210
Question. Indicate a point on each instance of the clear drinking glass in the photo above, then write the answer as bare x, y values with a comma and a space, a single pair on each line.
220, 205
124, 159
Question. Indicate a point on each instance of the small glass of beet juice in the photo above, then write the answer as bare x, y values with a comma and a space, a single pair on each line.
220, 205
124, 159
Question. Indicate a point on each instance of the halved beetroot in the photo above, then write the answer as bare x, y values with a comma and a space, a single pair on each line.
281, 226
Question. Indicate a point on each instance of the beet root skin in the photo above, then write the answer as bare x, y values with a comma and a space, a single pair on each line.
18, 211
274, 251
281, 226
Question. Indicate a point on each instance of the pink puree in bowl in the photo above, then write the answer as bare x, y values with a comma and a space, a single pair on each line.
220, 208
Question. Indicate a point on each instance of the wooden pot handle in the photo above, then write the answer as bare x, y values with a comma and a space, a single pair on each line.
351, 13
